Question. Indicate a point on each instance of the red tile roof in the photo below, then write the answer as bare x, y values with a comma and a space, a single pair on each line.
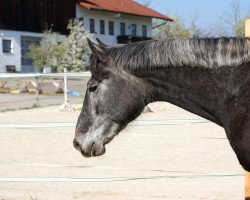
123, 6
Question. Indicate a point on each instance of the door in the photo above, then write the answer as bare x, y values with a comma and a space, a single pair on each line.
26, 63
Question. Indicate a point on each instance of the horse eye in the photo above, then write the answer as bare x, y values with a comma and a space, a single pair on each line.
93, 88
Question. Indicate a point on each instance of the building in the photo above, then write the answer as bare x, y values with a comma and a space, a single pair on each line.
23, 21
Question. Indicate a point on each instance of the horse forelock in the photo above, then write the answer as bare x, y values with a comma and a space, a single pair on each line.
206, 52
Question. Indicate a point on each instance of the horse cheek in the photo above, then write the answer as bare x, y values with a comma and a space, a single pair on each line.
130, 106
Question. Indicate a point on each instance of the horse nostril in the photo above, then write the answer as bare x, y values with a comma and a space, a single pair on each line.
77, 145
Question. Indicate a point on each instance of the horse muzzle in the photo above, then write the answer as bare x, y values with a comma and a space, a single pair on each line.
90, 149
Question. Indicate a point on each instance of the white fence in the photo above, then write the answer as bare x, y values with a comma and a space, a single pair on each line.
65, 106
75, 74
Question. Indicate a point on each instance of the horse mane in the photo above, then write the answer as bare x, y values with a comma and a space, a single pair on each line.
205, 52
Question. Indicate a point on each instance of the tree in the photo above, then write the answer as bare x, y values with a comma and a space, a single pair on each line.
70, 54
239, 28
147, 3
179, 29
45, 54
232, 23
173, 29
195, 30
75, 48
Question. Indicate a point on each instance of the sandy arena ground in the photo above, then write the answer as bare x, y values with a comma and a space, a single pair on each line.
187, 161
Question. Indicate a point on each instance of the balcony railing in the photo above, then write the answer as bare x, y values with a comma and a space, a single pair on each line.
125, 39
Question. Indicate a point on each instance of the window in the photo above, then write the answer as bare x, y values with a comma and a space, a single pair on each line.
92, 26
111, 28
133, 26
7, 46
144, 30
80, 19
123, 28
102, 27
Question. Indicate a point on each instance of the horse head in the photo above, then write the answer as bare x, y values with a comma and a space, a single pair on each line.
112, 100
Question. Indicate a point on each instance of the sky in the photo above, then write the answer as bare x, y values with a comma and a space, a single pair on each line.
208, 11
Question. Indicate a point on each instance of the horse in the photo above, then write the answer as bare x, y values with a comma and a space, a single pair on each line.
209, 77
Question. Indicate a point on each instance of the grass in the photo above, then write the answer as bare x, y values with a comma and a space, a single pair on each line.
34, 105
9, 109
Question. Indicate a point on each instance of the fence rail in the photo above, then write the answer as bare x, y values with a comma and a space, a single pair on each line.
33, 75
65, 106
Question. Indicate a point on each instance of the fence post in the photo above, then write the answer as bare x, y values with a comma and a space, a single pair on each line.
65, 106
37, 88
247, 186
247, 174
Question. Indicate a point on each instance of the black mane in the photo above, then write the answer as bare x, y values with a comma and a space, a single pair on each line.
206, 52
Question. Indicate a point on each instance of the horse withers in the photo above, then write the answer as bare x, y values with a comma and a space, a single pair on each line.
208, 77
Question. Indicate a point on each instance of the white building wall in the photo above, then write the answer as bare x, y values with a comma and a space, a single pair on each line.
117, 19
14, 58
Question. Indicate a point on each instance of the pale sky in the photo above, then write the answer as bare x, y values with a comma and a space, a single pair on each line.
209, 10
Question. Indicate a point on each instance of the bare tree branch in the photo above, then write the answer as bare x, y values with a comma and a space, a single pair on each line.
147, 3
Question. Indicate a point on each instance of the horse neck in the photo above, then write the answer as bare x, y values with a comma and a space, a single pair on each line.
199, 90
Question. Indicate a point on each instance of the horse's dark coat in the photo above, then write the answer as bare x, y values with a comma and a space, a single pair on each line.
209, 77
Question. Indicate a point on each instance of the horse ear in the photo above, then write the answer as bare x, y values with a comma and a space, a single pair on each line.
98, 50
101, 43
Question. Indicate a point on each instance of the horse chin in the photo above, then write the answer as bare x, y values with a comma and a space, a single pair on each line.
98, 150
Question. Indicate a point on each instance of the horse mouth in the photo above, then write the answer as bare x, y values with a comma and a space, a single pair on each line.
92, 150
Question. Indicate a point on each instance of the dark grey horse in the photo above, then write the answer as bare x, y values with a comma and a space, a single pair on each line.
208, 77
